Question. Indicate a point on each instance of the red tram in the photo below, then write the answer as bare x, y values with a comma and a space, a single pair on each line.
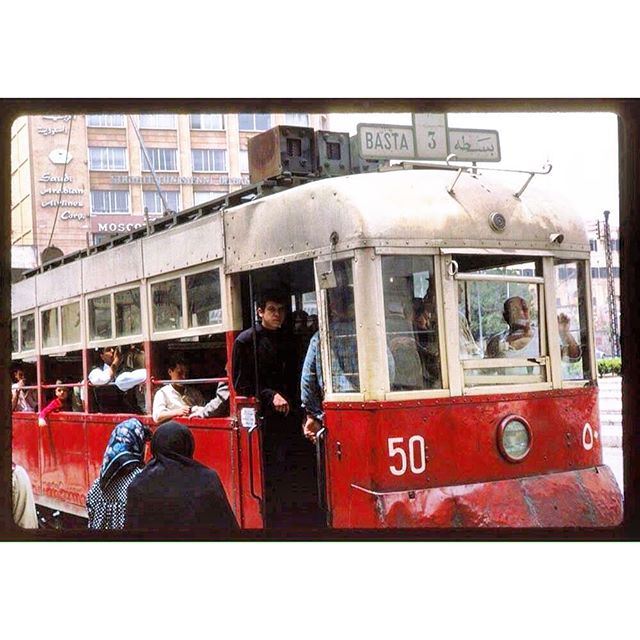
443, 422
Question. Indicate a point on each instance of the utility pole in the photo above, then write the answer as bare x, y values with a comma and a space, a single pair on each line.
611, 292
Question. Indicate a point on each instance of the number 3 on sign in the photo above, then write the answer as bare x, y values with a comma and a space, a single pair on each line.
416, 457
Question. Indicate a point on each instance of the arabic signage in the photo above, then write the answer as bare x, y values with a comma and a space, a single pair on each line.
430, 138
475, 145
379, 141
430, 131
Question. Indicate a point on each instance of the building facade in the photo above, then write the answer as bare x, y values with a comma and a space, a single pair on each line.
79, 179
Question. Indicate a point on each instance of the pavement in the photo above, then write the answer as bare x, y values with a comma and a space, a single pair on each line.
610, 400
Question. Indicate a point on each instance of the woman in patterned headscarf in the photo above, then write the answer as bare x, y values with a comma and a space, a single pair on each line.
122, 462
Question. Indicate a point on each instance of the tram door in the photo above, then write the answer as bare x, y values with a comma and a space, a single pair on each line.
289, 474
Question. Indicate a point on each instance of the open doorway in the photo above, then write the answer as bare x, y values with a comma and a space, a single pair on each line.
288, 460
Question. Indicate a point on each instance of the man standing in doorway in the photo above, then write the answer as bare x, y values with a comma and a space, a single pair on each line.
275, 388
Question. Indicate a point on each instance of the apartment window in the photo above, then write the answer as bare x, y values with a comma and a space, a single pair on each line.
297, 119
153, 202
105, 120
207, 121
157, 121
200, 197
593, 245
209, 159
107, 158
109, 201
254, 121
161, 159
243, 156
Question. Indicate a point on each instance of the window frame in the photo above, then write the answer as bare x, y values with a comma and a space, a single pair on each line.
21, 353
106, 126
151, 152
113, 340
201, 115
110, 169
110, 213
141, 125
211, 155
253, 117
158, 200
185, 331
404, 394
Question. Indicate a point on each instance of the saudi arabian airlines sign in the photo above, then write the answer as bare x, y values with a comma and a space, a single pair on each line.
428, 139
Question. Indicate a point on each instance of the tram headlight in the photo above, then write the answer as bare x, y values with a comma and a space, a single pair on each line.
514, 438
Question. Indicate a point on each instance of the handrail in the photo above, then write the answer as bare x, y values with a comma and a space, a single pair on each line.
158, 382
56, 386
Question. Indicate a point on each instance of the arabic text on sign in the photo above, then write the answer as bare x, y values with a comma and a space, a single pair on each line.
56, 118
51, 131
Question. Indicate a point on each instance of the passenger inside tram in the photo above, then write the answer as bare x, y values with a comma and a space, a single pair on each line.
176, 399
411, 318
22, 399
117, 380
61, 402
206, 359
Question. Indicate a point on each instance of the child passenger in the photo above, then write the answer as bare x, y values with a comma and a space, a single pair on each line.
62, 402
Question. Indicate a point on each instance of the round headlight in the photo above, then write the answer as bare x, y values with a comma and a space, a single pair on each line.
514, 438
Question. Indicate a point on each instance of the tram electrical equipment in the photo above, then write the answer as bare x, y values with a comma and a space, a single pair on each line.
282, 151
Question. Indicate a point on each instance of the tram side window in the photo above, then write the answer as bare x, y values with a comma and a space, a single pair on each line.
203, 298
411, 321
128, 317
15, 342
199, 360
27, 332
571, 298
343, 348
66, 369
167, 305
70, 320
100, 317
50, 332
498, 318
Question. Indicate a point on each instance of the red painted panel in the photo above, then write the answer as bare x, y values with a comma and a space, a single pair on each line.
64, 469
25, 451
551, 500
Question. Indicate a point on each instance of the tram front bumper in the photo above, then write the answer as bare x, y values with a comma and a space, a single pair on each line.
582, 498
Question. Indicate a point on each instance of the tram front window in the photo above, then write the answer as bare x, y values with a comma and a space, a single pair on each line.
343, 351
411, 321
499, 319
572, 318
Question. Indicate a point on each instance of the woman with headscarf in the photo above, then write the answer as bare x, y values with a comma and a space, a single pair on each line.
174, 492
122, 462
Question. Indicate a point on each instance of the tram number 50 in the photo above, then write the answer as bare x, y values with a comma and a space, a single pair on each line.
413, 456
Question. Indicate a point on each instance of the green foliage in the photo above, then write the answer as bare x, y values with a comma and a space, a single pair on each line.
609, 366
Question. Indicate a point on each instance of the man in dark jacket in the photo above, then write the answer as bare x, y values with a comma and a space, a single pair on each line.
276, 388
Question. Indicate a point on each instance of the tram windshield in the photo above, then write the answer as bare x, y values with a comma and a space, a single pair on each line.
502, 325
411, 320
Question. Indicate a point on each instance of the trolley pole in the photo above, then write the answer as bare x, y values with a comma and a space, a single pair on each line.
611, 292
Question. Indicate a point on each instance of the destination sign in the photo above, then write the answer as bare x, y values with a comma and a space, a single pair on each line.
475, 145
430, 131
380, 141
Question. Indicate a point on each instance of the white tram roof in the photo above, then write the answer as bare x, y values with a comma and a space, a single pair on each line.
398, 208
